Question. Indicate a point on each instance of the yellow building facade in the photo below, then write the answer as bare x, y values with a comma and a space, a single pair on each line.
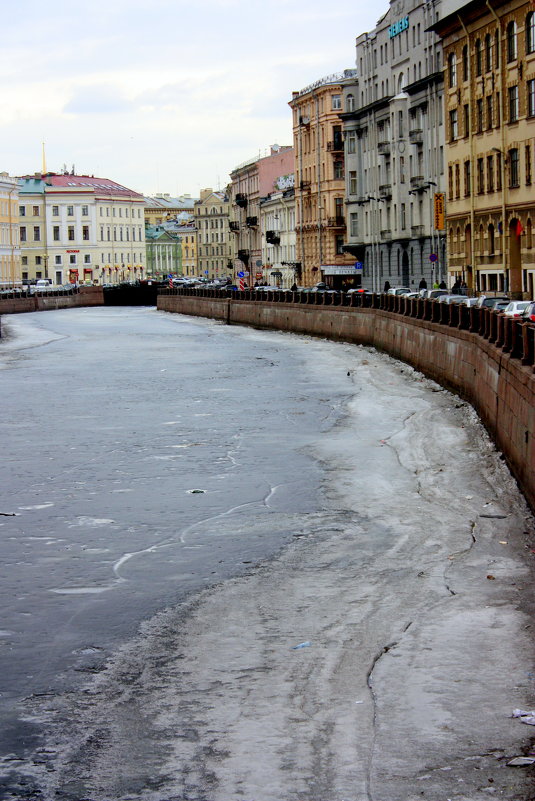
319, 181
10, 272
489, 57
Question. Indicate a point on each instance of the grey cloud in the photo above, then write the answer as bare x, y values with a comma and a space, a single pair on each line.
97, 99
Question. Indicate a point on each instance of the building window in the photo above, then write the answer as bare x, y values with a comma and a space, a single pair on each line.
480, 176
490, 237
514, 172
85, 232
528, 165
498, 172
353, 224
350, 103
339, 244
512, 94
87, 258
352, 182
530, 32
24, 260
453, 125
336, 102
85, 211
466, 113
55, 211
465, 63
490, 174
22, 211
352, 142
531, 97
70, 233
479, 60
35, 211
338, 169
450, 182
70, 211
23, 233
457, 181
72, 258
38, 260
511, 41
57, 260
55, 233
36, 233
479, 115
488, 52
490, 115
452, 70
467, 179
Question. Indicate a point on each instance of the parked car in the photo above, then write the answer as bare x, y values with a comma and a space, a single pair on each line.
490, 302
469, 301
433, 294
451, 299
398, 290
357, 290
528, 315
515, 308
500, 306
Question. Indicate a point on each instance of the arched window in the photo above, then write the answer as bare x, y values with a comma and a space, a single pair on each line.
400, 82
350, 103
481, 239
479, 63
452, 248
458, 247
529, 234
511, 41
490, 234
530, 32
497, 49
465, 63
488, 52
452, 70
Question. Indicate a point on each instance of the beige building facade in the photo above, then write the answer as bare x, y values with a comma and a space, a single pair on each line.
10, 272
211, 214
489, 57
319, 182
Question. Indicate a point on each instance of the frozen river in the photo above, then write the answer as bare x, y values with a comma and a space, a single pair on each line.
185, 502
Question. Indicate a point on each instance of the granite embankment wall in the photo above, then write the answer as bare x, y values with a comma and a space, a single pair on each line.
87, 296
484, 357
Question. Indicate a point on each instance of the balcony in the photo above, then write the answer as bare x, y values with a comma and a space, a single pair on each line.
305, 121
385, 190
383, 148
234, 226
241, 200
273, 237
417, 181
417, 230
336, 145
386, 235
304, 186
252, 222
416, 137
336, 222
243, 256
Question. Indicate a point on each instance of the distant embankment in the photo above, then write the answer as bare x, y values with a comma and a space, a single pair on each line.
486, 358
60, 299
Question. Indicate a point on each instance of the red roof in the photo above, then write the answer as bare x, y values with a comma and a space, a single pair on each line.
91, 184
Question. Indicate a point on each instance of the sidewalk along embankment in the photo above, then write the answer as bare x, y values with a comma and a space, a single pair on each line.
485, 358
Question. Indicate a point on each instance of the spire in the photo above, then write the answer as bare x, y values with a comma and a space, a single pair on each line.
43, 167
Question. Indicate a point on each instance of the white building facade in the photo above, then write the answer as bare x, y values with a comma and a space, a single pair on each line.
10, 274
279, 239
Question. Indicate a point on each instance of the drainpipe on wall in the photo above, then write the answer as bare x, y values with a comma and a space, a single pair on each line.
472, 155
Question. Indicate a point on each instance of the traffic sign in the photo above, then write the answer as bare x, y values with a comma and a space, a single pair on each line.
246, 272
358, 265
241, 274
433, 257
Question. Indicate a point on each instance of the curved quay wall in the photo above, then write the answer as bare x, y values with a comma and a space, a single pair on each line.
484, 357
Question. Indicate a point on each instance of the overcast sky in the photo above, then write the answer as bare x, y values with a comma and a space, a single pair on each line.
167, 96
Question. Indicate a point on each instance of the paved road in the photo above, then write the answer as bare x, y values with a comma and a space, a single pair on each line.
343, 612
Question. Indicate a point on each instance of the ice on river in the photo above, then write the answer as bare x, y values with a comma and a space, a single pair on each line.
342, 614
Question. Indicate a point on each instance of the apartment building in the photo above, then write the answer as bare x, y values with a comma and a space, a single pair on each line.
163, 207
277, 225
10, 270
489, 55
211, 214
80, 229
250, 182
394, 149
319, 182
